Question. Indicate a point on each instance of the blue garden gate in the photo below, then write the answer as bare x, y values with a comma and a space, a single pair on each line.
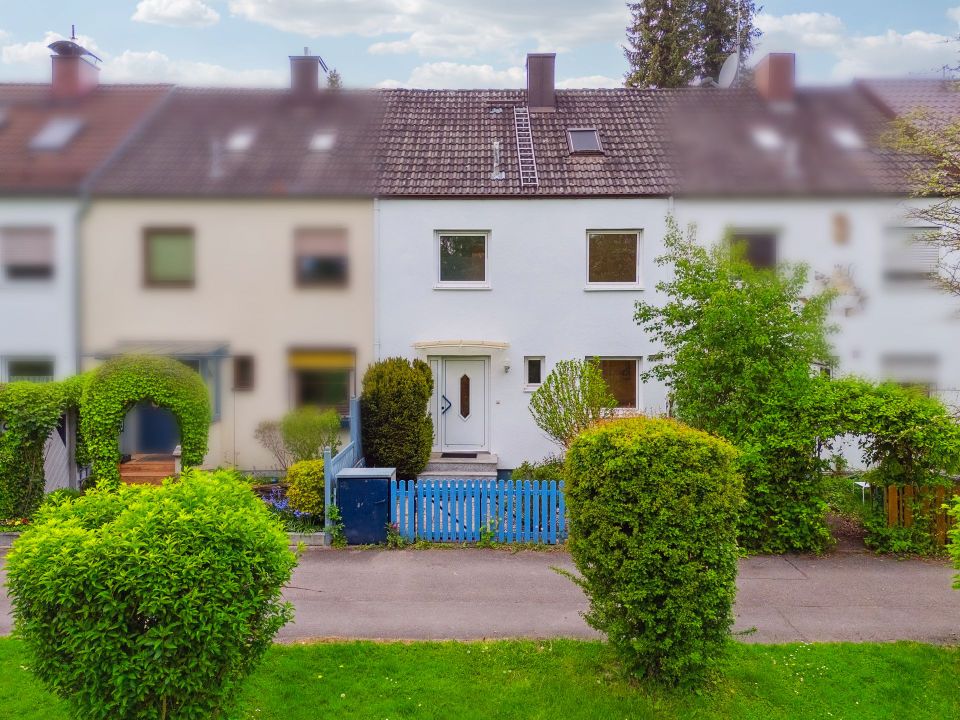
508, 511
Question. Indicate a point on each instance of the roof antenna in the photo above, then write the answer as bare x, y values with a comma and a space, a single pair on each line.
730, 70
73, 32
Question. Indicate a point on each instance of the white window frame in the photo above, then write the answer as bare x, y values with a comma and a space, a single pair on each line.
528, 386
608, 286
637, 368
465, 284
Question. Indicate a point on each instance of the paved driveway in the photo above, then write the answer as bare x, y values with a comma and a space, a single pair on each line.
468, 594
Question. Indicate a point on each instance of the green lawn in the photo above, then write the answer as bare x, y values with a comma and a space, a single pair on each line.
561, 679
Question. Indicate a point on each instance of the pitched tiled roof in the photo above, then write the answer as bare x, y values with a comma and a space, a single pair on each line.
106, 116
939, 97
440, 142
186, 148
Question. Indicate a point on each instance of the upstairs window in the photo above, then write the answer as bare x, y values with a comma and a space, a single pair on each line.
56, 134
760, 248
320, 257
243, 372
533, 369
909, 370
584, 141
169, 258
613, 258
26, 253
462, 259
909, 261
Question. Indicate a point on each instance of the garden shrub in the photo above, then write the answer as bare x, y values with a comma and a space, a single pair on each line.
308, 430
395, 424
122, 382
270, 437
151, 601
954, 535
572, 397
550, 468
306, 487
739, 347
29, 412
653, 510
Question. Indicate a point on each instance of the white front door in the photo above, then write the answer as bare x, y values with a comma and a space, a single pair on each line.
462, 403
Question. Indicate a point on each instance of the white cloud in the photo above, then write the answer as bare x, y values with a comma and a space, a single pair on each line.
176, 13
153, 66
447, 28
851, 55
954, 14
32, 59
590, 81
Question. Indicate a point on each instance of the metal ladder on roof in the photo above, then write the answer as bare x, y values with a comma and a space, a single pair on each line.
525, 155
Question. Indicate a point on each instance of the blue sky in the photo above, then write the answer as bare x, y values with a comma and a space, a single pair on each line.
446, 43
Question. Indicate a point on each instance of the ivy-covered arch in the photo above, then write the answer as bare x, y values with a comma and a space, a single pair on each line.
122, 382
29, 412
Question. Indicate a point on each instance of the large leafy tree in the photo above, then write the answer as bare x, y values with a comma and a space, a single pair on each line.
739, 345
671, 42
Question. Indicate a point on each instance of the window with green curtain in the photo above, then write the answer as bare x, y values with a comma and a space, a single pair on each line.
170, 257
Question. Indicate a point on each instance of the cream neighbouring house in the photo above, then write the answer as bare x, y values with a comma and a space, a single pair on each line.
235, 233
517, 228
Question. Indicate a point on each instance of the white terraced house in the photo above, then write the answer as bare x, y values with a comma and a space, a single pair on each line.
517, 228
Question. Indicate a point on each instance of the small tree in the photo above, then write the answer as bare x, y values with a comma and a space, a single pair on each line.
739, 347
334, 81
395, 423
573, 397
151, 601
308, 430
270, 436
653, 524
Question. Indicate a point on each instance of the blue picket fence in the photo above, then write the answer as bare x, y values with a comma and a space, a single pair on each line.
510, 511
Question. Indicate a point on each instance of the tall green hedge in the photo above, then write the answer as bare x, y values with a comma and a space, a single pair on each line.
396, 428
151, 601
122, 382
653, 531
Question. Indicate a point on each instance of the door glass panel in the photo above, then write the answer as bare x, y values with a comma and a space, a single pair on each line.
464, 396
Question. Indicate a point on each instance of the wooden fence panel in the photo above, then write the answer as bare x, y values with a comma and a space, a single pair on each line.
899, 504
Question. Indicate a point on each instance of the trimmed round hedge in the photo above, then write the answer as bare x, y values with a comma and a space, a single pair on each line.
653, 531
122, 382
151, 601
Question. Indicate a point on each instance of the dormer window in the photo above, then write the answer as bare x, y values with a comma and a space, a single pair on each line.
847, 137
767, 138
241, 140
323, 141
56, 134
584, 141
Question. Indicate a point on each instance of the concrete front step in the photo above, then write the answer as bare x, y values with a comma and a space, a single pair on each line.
447, 475
462, 467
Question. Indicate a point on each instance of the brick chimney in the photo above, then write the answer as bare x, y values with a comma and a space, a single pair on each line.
305, 73
775, 77
73, 74
541, 95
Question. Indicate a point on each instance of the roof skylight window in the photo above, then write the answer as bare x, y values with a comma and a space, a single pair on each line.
767, 138
241, 140
847, 137
323, 140
584, 141
56, 134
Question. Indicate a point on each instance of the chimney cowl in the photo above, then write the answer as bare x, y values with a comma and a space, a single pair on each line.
775, 77
541, 85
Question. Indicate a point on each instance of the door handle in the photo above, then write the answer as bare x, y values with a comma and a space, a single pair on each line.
444, 408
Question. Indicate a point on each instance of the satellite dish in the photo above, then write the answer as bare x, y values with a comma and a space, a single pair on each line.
729, 70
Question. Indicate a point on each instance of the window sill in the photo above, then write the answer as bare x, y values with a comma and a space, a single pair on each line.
530, 388
613, 287
462, 286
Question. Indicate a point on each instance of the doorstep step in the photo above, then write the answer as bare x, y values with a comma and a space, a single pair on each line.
447, 475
